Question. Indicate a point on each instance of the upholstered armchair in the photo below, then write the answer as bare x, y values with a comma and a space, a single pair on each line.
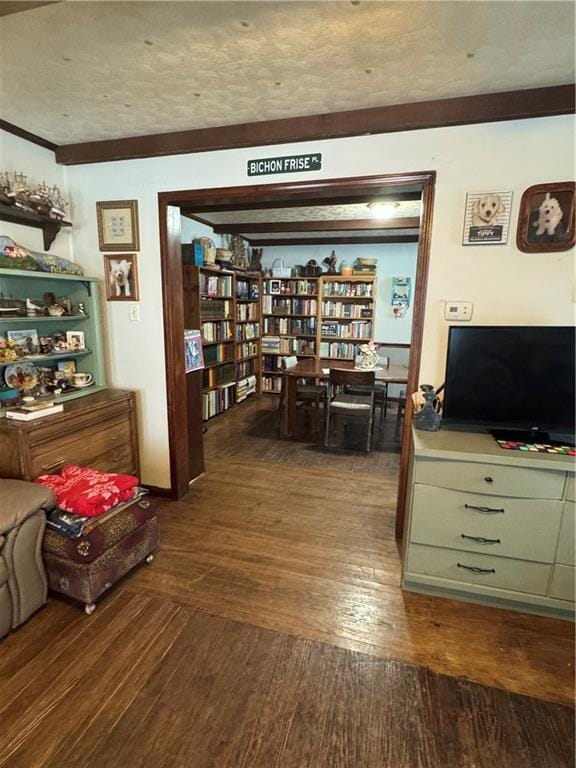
23, 585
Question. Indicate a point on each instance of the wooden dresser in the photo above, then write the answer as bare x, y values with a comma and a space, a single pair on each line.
97, 430
490, 525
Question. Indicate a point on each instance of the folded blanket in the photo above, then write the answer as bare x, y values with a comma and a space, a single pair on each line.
87, 492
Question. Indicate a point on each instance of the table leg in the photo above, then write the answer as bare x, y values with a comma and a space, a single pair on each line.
289, 417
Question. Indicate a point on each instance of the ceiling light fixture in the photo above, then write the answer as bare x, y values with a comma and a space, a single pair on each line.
381, 210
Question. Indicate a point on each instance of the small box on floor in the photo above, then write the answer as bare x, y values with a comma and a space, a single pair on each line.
85, 567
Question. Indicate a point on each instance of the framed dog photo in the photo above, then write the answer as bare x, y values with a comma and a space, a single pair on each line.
75, 341
121, 275
487, 218
546, 220
118, 225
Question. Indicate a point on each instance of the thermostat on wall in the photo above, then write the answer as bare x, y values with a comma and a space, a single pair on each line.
458, 310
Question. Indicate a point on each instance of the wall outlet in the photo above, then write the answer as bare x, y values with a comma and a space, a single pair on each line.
134, 312
458, 310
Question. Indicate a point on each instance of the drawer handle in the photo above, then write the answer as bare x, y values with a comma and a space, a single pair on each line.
48, 467
486, 510
480, 539
475, 569
488, 479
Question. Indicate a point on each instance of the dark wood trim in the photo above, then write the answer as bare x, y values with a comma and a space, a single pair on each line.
465, 110
9, 7
368, 240
419, 307
26, 135
350, 225
397, 197
392, 345
165, 493
173, 314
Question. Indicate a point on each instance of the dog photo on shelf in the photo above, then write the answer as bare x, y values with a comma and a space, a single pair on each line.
121, 274
546, 220
487, 218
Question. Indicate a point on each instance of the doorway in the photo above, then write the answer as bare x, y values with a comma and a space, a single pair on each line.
331, 191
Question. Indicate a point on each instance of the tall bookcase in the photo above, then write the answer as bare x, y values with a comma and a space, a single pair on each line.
289, 324
225, 306
346, 315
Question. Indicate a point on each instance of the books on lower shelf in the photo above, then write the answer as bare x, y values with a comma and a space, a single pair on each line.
245, 388
271, 384
353, 329
287, 346
24, 414
218, 400
217, 331
338, 349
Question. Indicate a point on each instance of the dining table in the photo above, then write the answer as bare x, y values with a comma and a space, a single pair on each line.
318, 369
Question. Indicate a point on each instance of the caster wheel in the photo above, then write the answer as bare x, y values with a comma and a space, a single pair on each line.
89, 608
150, 558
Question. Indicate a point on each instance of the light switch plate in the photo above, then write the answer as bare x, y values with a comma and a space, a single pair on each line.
134, 312
458, 310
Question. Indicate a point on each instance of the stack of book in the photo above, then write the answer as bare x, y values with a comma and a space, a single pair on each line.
34, 411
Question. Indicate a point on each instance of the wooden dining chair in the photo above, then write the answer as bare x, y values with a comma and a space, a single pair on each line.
341, 403
309, 394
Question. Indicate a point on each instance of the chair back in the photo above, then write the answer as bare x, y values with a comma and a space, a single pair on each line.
349, 377
289, 362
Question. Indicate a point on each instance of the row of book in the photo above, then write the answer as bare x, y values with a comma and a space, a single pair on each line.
217, 353
222, 374
246, 312
297, 287
245, 387
271, 363
354, 329
217, 401
344, 309
279, 325
247, 331
246, 368
271, 384
246, 349
358, 288
215, 285
216, 331
272, 305
275, 345
338, 349
215, 309
247, 290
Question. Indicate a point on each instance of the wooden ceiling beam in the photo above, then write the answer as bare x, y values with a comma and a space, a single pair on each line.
353, 240
407, 222
465, 110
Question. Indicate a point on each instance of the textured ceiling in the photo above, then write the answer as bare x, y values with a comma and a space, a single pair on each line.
80, 71
308, 213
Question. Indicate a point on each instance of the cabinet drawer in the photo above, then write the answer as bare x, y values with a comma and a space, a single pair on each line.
500, 572
562, 586
565, 554
496, 479
119, 459
80, 447
520, 528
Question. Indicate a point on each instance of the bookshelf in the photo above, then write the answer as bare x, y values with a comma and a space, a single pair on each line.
289, 324
346, 315
247, 335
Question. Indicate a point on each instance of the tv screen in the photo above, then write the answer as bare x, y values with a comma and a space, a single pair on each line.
511, 378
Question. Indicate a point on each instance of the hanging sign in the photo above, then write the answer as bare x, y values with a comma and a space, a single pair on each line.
289, 164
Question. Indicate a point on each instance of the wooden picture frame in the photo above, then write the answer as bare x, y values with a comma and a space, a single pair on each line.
121, 277
546, 221
118, 225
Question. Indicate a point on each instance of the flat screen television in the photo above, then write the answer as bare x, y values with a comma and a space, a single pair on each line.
517, 381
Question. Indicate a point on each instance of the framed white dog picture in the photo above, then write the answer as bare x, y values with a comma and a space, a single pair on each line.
121, 273
487, 218
547, 221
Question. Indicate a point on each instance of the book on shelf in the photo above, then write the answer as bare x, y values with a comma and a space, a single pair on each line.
20, 414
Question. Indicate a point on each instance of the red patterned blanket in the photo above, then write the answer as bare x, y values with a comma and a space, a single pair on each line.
87, 492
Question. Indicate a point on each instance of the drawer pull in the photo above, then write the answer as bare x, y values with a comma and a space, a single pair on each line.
48, 467
485, 510
481, 539
488, 479
475, 569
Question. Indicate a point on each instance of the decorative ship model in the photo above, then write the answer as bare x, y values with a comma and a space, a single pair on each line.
38, 198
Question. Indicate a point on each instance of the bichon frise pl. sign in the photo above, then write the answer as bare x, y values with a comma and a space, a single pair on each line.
487, 218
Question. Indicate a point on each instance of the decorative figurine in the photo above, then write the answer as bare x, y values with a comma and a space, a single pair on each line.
428, 418
369, 356
330, 262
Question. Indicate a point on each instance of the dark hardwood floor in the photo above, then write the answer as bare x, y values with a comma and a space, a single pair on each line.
271, 632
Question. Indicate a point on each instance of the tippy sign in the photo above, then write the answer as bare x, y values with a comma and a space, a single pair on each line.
290, 164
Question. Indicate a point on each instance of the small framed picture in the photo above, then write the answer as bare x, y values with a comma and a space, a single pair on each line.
546, 218
193, 354
25, 340
118, 225
121, 274
275, 286
75, 341
487, 218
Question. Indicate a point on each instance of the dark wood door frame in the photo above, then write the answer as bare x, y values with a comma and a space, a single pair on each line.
318, 192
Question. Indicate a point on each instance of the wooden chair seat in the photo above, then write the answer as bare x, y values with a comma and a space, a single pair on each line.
351, 403
341, 401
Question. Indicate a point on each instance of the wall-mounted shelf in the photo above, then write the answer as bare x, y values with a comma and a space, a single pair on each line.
50, 227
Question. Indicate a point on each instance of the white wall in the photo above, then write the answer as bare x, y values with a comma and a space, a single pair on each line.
392, 260
505, 285
39, 165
